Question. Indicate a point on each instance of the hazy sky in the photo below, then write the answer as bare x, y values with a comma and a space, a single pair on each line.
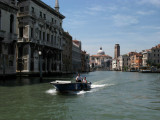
134, 24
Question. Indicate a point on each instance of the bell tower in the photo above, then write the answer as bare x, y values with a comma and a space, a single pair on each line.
56, 6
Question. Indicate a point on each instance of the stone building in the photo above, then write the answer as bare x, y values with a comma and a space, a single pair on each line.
85, 61
101, 61
155, 55
76, 56
123, 62
40, 35
116, 51
146, 56
8, 36
115, 64
135, 61
67, 53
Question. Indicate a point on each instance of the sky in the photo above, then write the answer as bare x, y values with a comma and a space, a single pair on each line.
134, 24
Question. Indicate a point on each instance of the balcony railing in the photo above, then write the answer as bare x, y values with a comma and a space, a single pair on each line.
2, 34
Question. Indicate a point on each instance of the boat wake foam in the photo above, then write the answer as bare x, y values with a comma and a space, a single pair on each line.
52, 91
94, 88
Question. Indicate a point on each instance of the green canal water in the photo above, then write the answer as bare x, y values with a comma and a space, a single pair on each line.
114, 96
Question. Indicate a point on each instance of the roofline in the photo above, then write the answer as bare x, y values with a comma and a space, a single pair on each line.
45, 6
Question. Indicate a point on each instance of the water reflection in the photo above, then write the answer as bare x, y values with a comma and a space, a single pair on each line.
21, 81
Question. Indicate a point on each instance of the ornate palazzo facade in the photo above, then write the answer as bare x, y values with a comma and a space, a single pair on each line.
40, 35
8, 36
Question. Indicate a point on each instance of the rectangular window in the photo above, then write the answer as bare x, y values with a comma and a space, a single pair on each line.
21, 32
40, 14
31, 32
32, 9
44, 16
40, 35
52, 39
21, 9
48, 37
43, 36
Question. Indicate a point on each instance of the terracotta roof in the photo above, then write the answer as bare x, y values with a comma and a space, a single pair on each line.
76, 42
157, 46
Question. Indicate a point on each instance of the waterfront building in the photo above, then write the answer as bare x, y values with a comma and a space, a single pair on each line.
115, 64
40, 36
8, 36
67, 53
76, 56
101, 61
146, 57
123, 62
87, 58
116, 51
155, 55
85, 61
135, 61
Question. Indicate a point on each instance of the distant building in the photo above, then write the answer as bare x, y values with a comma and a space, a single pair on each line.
146, 57
76, 56
8, 36
67, 53
116, 51
100, 61
155, 55
85, 61
123, 62
115, 64
39, 31
135, 61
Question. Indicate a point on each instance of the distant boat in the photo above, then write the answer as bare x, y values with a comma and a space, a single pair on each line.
68, 86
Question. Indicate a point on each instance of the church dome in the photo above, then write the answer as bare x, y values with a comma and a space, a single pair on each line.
100, 52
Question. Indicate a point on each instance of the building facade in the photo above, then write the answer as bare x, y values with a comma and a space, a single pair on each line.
85, 61
8, 36
135, 61
123, 62
76, 56
100, 61
155, 55
67, 53
40, 35
146, 56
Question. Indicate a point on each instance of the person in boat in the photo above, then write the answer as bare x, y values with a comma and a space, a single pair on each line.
84, 80
78, 78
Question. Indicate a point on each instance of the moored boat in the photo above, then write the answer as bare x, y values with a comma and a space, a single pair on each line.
68, 86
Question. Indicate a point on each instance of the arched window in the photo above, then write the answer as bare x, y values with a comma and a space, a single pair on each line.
11, 23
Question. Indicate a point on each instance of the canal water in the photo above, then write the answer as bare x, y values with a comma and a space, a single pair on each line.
114, 96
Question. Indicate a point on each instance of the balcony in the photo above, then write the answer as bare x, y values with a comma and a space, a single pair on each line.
21, 14
2, 34
23, 39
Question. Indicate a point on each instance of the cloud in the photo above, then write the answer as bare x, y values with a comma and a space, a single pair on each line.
146, 12
151, 27
96, 9
153, 2
124, 20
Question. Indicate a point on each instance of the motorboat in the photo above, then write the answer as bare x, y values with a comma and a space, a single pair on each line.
68, 86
